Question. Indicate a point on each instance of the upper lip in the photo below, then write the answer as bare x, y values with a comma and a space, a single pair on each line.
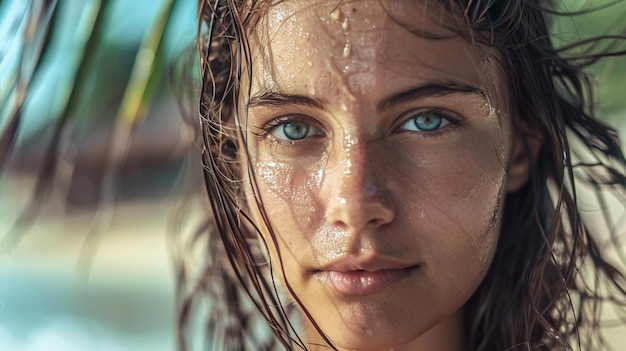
367, 263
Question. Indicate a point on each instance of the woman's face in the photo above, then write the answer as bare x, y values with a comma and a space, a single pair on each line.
380, 156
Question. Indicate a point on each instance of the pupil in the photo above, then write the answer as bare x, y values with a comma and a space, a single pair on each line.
296, 131
428, 123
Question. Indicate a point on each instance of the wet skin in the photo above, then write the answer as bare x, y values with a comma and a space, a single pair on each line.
381, 159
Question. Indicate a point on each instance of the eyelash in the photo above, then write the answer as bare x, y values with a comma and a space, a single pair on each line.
265, 132
451, 122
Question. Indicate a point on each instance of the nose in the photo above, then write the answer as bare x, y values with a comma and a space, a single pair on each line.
359, 198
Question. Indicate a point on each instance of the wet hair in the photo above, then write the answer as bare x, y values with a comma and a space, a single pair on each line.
551, 276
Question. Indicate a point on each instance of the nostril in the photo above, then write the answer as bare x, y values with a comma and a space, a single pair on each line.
340, 224
380, 215
376, 222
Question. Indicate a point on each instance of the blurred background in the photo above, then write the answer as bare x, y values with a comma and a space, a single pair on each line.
85, 261
93, 270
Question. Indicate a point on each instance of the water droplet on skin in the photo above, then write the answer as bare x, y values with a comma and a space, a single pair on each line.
344, 24
346, 50
361, 82
343, 106
335, 15
493, 221
350, 141
311, 86
348, 169
370, 332
330, 241
494, 218
319, 176
422, 214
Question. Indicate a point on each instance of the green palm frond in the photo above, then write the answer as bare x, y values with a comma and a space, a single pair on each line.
135, 103
47, 170
34, 38
139, 95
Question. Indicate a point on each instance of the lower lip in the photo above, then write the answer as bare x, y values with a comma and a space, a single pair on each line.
363, 282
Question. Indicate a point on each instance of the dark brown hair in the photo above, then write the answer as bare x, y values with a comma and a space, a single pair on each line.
534, 295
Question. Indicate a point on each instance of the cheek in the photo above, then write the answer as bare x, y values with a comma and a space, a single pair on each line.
287, 191
455, 196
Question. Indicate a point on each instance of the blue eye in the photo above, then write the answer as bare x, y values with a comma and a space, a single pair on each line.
426, 122
293, 130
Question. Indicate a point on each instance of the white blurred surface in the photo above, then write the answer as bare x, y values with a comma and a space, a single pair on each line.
125, 302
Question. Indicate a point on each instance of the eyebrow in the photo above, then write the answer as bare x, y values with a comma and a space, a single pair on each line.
277, 98
428, 90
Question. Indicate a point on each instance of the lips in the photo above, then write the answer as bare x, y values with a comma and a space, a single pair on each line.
351, 277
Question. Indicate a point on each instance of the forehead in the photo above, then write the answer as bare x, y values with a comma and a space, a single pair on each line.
316, 45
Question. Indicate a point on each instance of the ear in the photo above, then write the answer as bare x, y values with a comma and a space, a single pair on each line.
526, 147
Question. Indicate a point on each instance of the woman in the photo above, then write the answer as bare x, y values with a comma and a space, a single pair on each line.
400, 175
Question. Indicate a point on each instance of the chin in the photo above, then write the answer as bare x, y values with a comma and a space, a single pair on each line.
372, 340
369, 344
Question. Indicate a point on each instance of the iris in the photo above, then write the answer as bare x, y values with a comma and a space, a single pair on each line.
428, 122
294, 130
